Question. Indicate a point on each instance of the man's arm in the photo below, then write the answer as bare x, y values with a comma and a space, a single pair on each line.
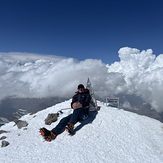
87, 101
75, 104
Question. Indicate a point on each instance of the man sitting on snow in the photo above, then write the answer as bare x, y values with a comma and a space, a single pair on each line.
80, 105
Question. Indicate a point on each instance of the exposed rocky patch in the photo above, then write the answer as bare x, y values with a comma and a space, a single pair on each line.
4, 143
3, 131
51, 118
3, 137
21, 123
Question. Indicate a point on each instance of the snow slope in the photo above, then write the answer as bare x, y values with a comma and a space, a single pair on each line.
111, 136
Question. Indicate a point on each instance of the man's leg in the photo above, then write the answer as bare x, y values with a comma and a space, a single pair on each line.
61, 125
76, 115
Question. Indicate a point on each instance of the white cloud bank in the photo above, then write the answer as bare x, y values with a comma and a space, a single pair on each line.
138, 73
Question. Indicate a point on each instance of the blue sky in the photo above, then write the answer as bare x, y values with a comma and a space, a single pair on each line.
81, 28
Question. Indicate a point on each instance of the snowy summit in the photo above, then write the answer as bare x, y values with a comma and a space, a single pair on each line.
109, 136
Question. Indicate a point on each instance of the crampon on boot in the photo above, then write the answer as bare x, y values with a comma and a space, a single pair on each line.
47, 135
69, 127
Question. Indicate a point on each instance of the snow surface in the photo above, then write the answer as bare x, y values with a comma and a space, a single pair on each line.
110, 136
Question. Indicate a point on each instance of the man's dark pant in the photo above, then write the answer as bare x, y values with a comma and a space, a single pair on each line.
75, 117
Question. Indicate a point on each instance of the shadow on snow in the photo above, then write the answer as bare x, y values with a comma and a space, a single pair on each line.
90, 119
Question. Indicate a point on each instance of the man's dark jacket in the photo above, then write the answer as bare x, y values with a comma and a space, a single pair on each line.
83, 98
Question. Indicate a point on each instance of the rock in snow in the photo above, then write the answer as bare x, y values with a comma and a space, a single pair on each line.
4, 143
51, 118
21, 123
110, 136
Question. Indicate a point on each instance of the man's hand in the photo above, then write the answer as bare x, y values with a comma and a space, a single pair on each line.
76, 105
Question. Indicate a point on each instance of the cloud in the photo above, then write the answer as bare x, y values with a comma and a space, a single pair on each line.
138, 73
142, 72
36, 76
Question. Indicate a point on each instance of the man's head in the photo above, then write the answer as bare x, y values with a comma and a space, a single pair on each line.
81, 88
